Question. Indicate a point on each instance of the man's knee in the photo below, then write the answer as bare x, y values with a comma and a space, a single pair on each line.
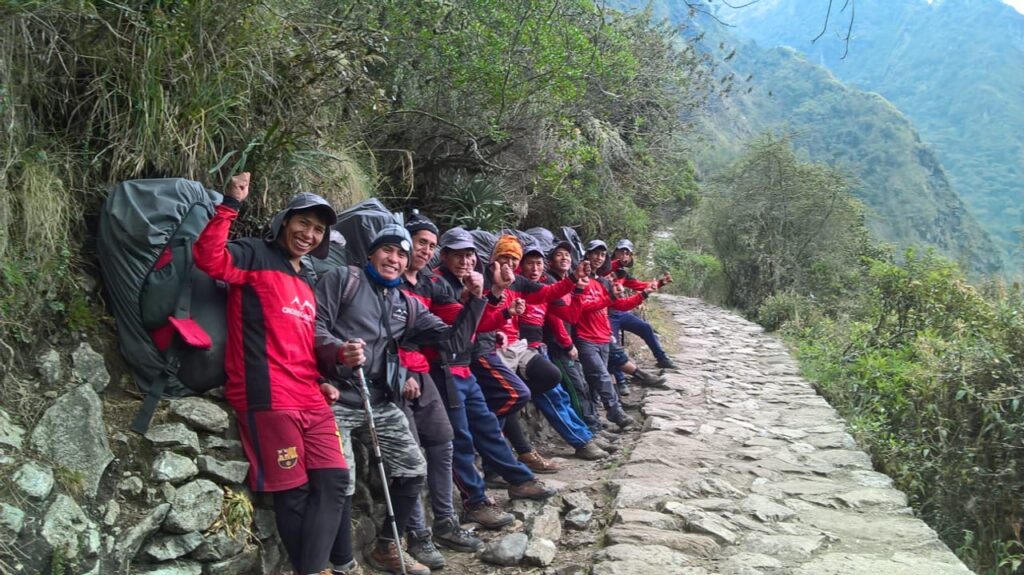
407, 486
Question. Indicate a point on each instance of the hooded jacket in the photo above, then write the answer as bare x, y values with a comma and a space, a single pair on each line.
269, 357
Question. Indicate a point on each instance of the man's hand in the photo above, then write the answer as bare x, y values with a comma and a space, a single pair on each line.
500, 340
329, 392
582, 283
238, 187
351, 355
583, 269
651, 289
502, 276
474, 284
517, 307
411, 390
666, 279
574, 353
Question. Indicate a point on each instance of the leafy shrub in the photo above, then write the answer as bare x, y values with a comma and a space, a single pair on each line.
694, 274
787, 308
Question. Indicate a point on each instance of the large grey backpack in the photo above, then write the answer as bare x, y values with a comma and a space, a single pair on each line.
171, 322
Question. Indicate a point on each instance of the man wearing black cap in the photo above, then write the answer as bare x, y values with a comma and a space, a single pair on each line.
380, 317
287, 431
428, 417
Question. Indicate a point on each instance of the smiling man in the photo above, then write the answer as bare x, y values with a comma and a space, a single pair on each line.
380, 317
287, 430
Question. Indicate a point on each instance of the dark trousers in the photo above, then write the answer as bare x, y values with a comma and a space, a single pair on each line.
476, 426
624, 320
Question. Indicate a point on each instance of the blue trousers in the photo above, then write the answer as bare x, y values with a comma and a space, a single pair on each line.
476, 426
624, 320
557, 408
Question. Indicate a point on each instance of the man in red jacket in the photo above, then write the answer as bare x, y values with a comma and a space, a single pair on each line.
287, 429
594, 333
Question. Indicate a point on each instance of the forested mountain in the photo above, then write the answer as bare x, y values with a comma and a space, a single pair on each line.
897, 176
955, 67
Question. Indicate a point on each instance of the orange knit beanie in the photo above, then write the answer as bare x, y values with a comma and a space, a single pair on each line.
508, 245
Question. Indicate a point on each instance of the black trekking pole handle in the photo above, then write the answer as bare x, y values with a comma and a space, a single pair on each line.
364, 391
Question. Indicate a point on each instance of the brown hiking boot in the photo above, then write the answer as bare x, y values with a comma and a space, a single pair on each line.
591, 451
352, 568
386, 559
537, 463
488, 515
648, 379
605, 444
532, 489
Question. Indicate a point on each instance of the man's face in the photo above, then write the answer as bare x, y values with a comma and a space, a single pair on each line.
424, 242
533, 266
623, 255
596, 258
389, 260
561, 260
301, 233
459, 262
510, 261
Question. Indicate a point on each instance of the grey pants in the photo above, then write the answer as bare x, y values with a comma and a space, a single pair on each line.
594, 358
401, 454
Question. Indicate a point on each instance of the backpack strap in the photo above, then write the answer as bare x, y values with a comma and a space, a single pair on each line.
352, 278
182, 310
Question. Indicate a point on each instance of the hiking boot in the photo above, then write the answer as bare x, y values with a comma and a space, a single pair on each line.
605, 444
532, 489
648, 379
608, 436
537, 463
423, 550
591, 451
495, 481
352, 568
383, 556
488, 515
448, 533
622, 419
622, 388
665, 363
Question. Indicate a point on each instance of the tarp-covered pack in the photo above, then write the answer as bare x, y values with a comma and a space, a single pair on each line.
359, 224
570, 235
170, 315
485, 242
543, 237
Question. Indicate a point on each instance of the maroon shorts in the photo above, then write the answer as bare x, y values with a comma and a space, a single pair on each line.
282, 445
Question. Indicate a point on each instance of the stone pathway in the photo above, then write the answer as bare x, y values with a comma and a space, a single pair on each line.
742, 469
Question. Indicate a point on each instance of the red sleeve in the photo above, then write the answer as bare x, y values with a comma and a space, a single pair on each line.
569, 312
550, 292
635, 284
557, 327
627, 303
493, 319
210, 252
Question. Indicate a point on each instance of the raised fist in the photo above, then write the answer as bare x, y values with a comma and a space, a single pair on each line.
518, 307
238, 187
474, 283
583, 269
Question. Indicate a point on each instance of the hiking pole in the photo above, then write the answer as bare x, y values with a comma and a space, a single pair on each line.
365, 392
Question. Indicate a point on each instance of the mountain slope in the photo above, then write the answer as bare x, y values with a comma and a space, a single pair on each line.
955, 67
898, 177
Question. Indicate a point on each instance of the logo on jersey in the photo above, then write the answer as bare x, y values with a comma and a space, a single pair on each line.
287, 457
301, 309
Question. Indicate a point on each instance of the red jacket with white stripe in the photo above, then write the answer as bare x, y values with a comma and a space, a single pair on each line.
271, 314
